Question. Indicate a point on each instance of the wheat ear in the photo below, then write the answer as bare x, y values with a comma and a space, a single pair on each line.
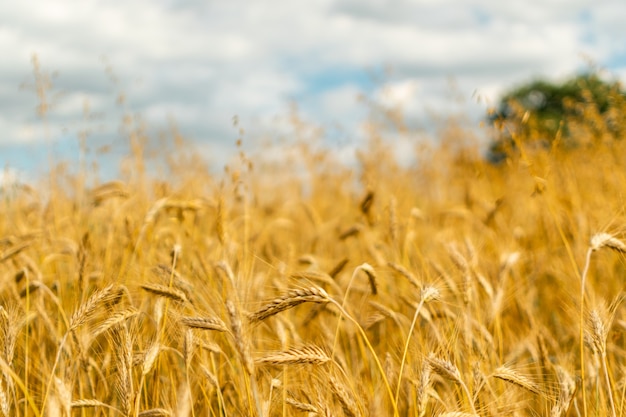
205, 323
289, 300
347, 403
449, 371
312, 355
165, 291
509, 375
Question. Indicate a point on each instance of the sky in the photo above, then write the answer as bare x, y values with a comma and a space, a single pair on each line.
198, 64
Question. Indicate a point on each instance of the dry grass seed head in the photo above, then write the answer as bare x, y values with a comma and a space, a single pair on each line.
167, 292
390, 367
312, 355
351, 231
338, 268
598, 324
86, 403
240, 342
309, 260
366, 203
87, 309
5, 406
509, 375
204, 323
149, 357
348, 404
64, 395
479, 379
457, 258
422, 389
371, 276
430, 293
314, 276
14, 250
567, 390
166, 274
188, 344
601, 240
208, 346
597, 332
405, 273
289, 300
444, 368
107, 191
374, 319
307, 408
209, 376
115, 319
155, 412
31, 288
383, 309
485, 284
227, 270
121, 346
11, 321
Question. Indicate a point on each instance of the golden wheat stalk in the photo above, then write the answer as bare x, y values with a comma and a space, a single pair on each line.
121, 340
444, 368
108, 190
149, 358
240, 341
155, 412
205, 323
312, 355
227, 270
597, 332
422, 389
188, 347
89, 307
567, 390
319, 277
211, 378
166, 274
307, 408
166, 292
348, 404
448, 370
289, 300
338, 268
5, 405
511, 376
13, 251
243, 348
428, 294
86, 403
371, 277
601, 240
115, 319
90, 403
405, 273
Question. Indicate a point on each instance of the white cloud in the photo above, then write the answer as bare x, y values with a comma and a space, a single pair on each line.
399, 93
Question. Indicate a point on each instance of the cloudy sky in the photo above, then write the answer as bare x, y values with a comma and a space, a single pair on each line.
202, 62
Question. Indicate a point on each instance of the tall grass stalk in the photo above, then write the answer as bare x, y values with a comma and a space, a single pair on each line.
427, 294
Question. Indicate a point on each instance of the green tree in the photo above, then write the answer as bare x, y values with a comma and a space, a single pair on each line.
582, 110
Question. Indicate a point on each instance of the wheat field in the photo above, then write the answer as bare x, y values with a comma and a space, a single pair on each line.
451, 287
